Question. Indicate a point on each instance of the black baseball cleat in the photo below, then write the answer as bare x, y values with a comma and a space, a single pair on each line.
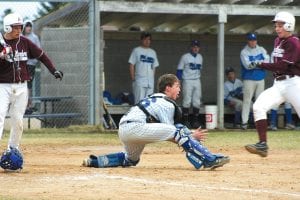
218, 162
260, 148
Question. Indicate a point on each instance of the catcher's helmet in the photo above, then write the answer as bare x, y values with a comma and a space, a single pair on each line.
10, 20
11, 159
288, 19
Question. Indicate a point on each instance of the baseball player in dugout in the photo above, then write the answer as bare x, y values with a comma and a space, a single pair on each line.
233, 95
286, 72
142, 64
15, 50
189, 71
288, 117
155, 119
253, 78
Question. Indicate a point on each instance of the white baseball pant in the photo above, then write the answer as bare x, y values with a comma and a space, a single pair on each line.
13, 98
191, 92
135, 136
281, 91
140, 92
237, 104
250, 88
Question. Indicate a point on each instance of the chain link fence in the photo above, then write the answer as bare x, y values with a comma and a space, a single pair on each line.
63, 30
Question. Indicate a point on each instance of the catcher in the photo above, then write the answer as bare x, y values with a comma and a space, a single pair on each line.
155, 119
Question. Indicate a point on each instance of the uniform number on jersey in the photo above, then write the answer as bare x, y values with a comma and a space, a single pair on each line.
146, 102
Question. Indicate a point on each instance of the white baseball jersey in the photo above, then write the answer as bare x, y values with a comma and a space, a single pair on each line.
232, 89
190, 66
145, 61
191, 85
135, 133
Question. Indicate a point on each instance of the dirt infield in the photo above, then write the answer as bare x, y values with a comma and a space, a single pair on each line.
53, 171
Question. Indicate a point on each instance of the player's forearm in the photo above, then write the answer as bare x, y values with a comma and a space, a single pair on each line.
275, 67
47, 62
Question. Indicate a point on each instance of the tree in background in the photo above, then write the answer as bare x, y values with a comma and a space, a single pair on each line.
48, 7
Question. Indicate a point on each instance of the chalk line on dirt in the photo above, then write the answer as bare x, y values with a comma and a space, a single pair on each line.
175, 183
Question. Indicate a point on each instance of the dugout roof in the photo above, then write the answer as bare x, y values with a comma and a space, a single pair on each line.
223, 17
182, 16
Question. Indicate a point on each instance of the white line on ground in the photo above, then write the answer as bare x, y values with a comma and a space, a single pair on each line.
179, 183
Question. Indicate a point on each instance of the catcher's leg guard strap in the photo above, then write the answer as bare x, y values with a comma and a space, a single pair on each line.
195, 159
111, 160
183, 138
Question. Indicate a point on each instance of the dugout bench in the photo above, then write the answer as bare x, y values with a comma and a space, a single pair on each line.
118, 110
47, 113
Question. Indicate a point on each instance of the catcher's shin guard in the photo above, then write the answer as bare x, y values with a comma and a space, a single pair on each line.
195, 159
190, 145
109, 160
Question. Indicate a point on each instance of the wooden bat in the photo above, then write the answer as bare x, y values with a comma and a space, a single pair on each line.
109, 120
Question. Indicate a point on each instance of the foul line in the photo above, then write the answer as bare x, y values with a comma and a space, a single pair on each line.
176, 183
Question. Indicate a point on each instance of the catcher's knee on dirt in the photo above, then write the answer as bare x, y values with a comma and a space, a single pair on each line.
196, 153
11, 159
111, 160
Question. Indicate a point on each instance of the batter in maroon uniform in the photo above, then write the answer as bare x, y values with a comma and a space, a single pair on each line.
15, 50
286, 87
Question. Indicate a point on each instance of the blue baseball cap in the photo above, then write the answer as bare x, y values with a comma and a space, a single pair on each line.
195, 43
251, 36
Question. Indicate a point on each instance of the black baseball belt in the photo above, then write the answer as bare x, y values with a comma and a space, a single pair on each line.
284, 77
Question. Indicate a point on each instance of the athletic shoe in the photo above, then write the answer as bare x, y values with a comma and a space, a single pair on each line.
290, 126
236, 126
218, 162
196, 124
187, 124
260, 148
86, 162
244, 126
273, 128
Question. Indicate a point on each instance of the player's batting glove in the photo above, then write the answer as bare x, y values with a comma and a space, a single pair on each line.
58, 74
5, 51
252, 65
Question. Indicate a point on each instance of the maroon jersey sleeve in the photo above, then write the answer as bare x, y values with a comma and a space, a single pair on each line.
286, 57
36, 52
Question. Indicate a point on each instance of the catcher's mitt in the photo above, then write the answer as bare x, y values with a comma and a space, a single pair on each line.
11, 159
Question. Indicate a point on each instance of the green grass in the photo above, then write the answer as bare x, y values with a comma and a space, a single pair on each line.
277, 139
93, 135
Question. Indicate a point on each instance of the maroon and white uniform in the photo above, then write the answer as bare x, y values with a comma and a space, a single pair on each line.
286, 87
13, 84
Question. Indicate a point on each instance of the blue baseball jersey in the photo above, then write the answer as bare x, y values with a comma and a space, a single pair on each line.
233, 89
248, 55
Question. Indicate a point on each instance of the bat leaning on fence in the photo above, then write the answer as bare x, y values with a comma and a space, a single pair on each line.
110, 123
